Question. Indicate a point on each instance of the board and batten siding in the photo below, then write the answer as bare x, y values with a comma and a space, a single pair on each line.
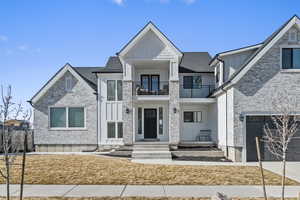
109, 111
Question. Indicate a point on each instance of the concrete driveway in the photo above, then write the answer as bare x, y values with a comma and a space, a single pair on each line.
292, 169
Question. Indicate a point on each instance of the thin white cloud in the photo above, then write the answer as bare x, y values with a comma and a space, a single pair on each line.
3, 38
23, 47
119, 2
189, 1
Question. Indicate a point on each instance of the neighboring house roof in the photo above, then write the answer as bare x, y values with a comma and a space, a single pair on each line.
149, 26
113, 65
266, 45
17, 124
195, 62
80, 73
13, 122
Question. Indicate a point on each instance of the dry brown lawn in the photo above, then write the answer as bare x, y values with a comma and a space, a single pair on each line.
134, 198
90, 169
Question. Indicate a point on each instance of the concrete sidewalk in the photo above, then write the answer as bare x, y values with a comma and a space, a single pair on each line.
292, 169
146, 191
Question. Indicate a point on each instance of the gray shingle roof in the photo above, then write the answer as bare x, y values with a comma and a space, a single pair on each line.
195, 62
87, 74
190, 62
113, 65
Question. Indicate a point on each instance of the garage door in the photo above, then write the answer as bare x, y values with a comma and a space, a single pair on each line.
254, 128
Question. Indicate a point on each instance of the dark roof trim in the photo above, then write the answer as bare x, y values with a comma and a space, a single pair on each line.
183, 70
107, 72
47, 83
218, 54
265, 43
91, 84
150, 22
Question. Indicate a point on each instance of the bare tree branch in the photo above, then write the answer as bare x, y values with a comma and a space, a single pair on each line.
9, 144
285, 124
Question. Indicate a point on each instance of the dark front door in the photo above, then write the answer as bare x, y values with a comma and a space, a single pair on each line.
150, 124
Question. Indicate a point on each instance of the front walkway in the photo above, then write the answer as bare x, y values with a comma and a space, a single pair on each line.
147, 191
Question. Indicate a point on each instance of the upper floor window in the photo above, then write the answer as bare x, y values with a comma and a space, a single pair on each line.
291, 58
192, 82
68, 83
114, 90
150, 82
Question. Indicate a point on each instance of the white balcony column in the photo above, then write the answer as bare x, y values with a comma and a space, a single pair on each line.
221, 67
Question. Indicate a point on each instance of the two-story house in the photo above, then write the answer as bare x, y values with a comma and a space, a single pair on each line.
153, 93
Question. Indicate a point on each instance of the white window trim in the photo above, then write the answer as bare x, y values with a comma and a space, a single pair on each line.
293, 31
116, 129
193, 111
116, 90
68, 79
288, 70
67, 128
143, 107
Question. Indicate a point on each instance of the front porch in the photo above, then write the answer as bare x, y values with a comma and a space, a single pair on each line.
151, 121
197, 123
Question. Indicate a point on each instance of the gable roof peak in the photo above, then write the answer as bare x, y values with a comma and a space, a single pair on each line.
296, 16
149, 26
67, 64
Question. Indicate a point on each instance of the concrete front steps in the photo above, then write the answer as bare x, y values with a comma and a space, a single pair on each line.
200, 154
151, 150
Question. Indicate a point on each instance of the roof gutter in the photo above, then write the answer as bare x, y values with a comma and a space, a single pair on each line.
30, 102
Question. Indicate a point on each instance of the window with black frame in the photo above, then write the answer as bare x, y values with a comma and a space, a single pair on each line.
291, 58
192, 116
150, 84
192, 82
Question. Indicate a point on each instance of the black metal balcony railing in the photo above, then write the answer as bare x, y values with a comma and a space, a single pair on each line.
202, 91
161, 88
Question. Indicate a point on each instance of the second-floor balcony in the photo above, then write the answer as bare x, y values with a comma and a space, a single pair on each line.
201, 91
151, 88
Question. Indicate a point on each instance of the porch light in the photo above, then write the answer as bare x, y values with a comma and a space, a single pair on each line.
127, 110
174, 110
241, 117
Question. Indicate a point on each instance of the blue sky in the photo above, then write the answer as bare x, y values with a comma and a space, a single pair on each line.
37, 37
